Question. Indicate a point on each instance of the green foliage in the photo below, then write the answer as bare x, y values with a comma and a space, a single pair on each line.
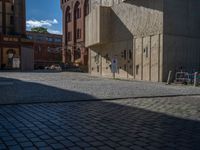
39, 30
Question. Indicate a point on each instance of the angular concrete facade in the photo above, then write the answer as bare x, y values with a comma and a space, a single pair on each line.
147, 37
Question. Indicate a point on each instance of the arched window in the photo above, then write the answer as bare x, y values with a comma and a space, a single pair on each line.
86, 7
68, 15
77, 53
77, 10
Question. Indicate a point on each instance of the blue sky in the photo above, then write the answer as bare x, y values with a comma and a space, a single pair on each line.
45, 13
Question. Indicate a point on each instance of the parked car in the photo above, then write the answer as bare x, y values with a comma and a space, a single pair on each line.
47, 68
55, 67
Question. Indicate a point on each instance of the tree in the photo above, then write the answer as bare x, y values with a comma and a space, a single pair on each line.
39, 30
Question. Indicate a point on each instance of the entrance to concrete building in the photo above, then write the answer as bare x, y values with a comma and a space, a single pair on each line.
10, 59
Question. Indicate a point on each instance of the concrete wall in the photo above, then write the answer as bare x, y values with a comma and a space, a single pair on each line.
162, 35
135, 40
108, 3
98, 23
181, 54
27, 59
1, 16
0, 57
181, 36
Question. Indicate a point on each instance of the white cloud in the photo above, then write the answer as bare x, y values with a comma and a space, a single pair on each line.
54, 31
43, 23
40, 23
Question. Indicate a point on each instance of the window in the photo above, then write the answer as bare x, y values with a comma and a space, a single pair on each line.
12, 7
29, 37
130, 55
68, 15
77, 54
12, 20
137, 69
69, 36
146, 52
125, 67
49, 39
40, 38
78, 33
124, 54
57, 40
87, 9
77, 13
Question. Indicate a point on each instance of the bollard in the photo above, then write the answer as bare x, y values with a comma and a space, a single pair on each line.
169, 77
195, 78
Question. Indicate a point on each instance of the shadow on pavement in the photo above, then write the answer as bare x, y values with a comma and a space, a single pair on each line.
100, 125
14, 91
139, 128
96, 124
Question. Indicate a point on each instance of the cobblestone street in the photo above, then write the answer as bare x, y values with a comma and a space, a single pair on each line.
168, 122
59, 87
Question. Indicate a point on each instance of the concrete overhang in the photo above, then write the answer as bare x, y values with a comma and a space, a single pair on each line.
98, 26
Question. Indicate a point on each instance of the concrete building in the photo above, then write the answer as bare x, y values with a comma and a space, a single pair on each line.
15, 50
47, 48
74, 12
146, 38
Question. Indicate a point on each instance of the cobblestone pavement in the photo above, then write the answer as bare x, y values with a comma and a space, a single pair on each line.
55, 87
137, 124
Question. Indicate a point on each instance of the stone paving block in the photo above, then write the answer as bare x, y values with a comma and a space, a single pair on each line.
40, 144
45, 148
16, 147
75, 148
50, 141
59, 138
104, 148
96, 144
22, 139
2, 146
91, 148
29, 148
35, 139
57, 146
26, 144
74, 138
10, 143
88, 139
67, 143
82, 144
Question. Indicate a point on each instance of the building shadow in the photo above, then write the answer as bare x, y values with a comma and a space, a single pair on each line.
138, 128
116, 124
112, 124
14, 91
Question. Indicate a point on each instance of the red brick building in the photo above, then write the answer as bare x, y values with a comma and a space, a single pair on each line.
47, 48
74, 12
15, 50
